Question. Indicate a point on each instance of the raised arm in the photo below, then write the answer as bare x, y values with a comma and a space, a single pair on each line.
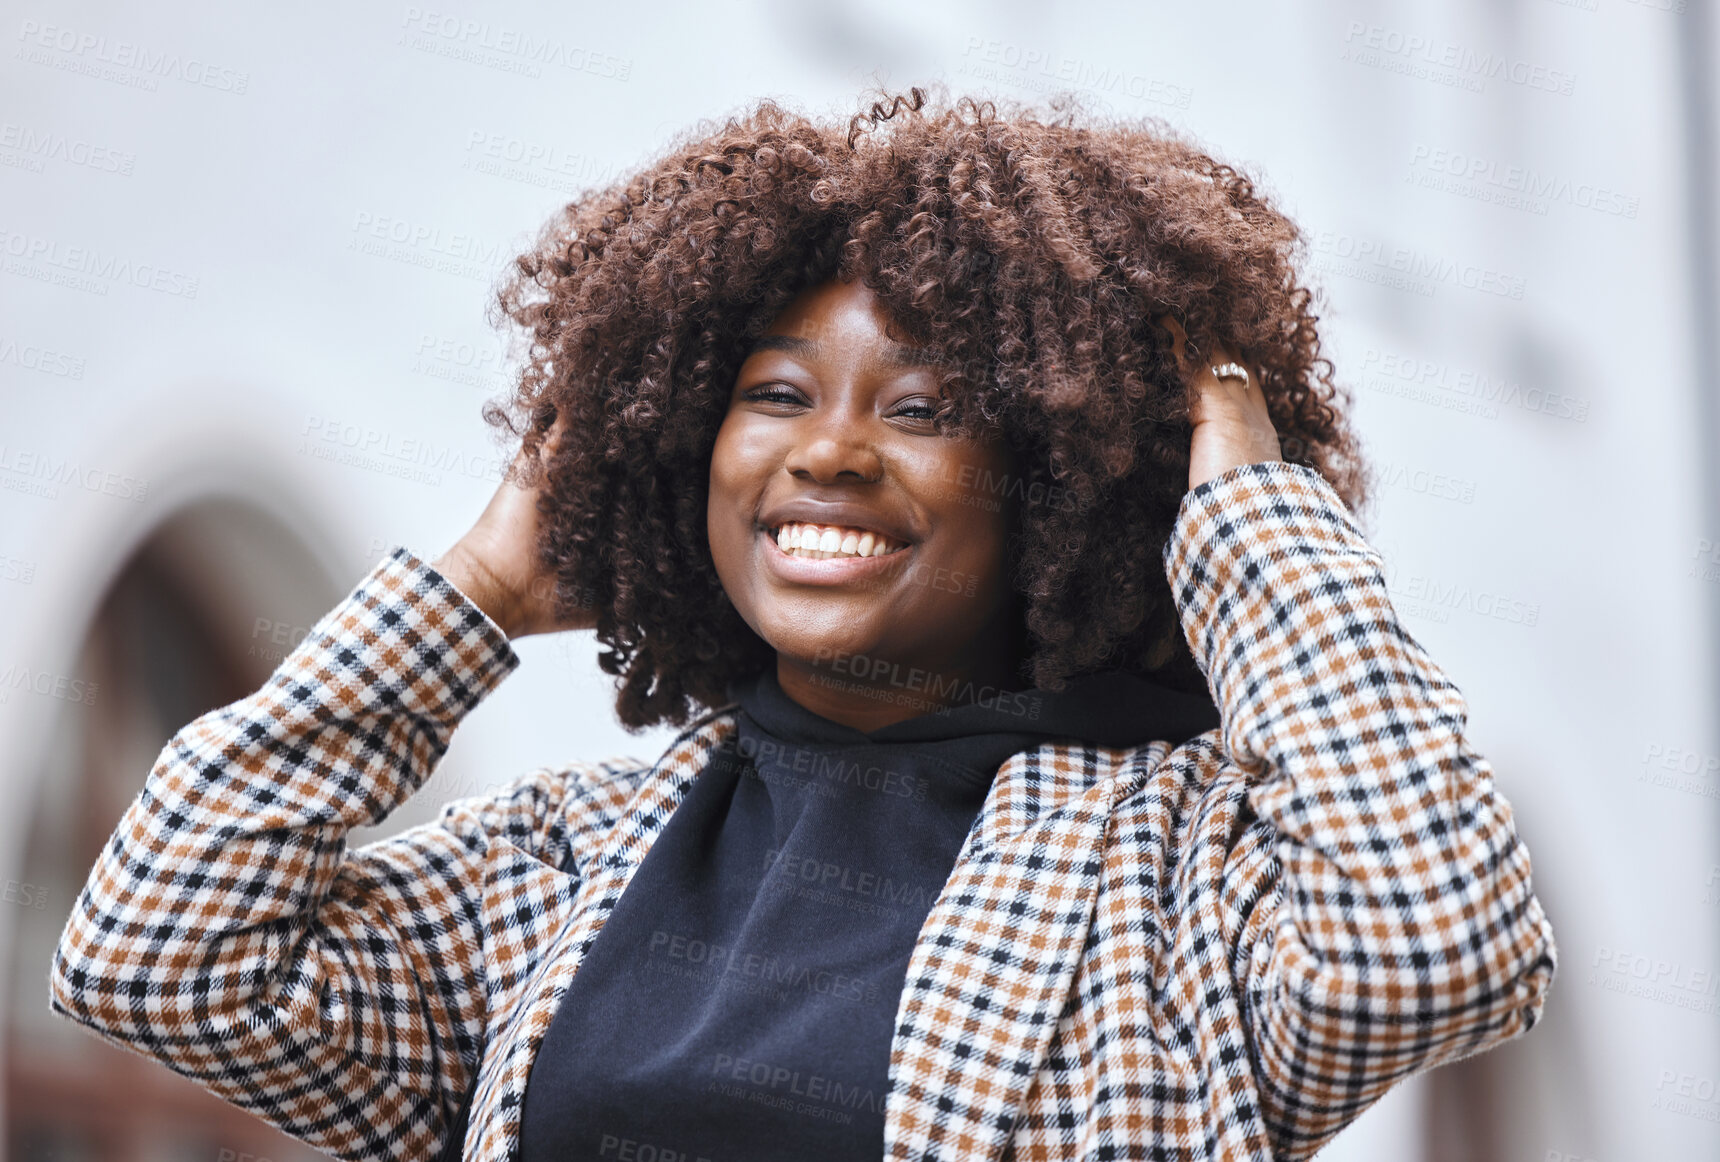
1388, 921
227, 931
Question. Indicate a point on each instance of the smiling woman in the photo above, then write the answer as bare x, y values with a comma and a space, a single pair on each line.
1062, 783
834, 437
1044, 275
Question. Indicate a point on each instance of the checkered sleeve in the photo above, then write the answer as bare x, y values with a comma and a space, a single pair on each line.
1392, 924
227, 931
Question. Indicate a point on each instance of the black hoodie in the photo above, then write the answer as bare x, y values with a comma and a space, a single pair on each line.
739, 1004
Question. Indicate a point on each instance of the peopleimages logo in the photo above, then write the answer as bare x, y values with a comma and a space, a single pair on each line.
1423, 480
40, 146
793, 1083
1667, 982
705, 960
837, 877
533, 162
48, 685
1038, 70
1406, 268
40, 473
45, 360
1444, 62
983, 488
510, 49
1513, 186
43, 258
770, 758
1405, 375
85, 52
423, 245
361, 446
626, 1149
436, 240
940, 687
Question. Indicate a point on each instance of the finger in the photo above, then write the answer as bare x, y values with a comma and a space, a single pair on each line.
1238, 384
1179, 338
529, 459
1226, 398
555, 439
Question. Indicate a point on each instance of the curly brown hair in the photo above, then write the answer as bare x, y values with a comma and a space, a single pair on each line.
1031, 254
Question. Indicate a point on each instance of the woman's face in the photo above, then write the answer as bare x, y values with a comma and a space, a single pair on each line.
829, 425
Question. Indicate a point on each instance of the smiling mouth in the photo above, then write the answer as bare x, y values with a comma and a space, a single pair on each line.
822, 542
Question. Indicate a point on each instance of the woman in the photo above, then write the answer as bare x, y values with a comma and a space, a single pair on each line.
1060, 781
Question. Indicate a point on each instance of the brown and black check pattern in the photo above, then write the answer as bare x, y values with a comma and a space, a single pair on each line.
1225, 950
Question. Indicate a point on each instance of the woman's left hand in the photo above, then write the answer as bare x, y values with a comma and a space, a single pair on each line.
1231, 425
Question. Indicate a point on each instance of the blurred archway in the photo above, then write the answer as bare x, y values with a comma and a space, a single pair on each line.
196, 618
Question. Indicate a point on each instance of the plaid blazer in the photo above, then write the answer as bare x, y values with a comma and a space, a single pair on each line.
1225, 949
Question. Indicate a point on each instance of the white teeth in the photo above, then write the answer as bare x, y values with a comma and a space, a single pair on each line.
820, 542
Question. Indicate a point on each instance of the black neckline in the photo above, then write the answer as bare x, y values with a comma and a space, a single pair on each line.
1109, 708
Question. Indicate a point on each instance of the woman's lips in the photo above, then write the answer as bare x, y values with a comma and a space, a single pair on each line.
829, 570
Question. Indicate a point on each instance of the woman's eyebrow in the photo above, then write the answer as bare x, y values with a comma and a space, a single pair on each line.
892, 353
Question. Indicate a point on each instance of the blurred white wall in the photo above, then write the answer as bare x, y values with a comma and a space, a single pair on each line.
231, 234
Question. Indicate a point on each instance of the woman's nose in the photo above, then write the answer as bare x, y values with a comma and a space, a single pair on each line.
834, 449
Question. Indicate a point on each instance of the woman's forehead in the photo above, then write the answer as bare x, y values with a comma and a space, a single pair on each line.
841, 312
808, 344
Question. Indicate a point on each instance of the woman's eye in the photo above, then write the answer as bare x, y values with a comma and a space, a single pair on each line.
922, 411
773, 395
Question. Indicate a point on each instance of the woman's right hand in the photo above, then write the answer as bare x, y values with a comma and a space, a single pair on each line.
495, 564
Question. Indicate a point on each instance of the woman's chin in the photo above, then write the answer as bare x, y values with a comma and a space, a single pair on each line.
835, 652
